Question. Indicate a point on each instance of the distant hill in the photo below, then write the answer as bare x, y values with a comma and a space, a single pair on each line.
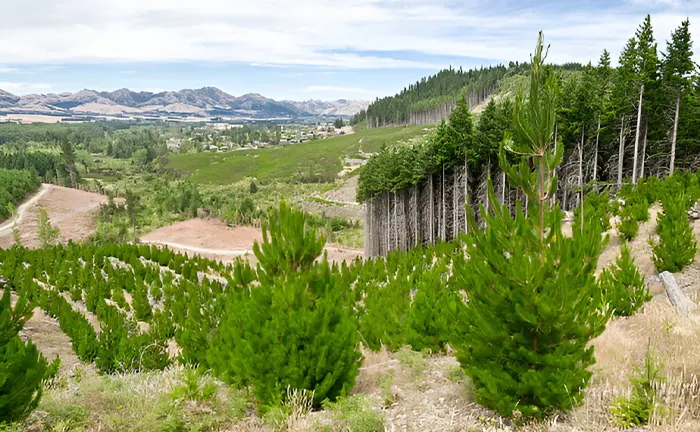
198, 102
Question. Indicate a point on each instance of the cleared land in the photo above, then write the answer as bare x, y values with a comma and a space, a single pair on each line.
322, 157
70, 210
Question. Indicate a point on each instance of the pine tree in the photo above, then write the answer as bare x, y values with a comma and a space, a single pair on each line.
677, 246
296, 328
677, 68
623, 286
22, 367
288, 248
142, 307
533, 302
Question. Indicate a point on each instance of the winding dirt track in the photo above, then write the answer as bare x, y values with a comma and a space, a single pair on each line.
7, 226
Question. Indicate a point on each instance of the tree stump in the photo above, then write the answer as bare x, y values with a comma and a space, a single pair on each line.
677, 297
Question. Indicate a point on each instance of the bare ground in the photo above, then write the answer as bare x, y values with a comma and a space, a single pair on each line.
70, 210
214, 239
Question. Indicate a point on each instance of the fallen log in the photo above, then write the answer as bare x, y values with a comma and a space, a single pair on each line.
678, 298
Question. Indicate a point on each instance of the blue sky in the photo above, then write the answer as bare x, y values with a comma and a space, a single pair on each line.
301, 49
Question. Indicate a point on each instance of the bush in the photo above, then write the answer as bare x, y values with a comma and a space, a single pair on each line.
296, 329
623, 286
628, 227
596, 210
534, 304
677, 246
642, 404
47, 235
22, 367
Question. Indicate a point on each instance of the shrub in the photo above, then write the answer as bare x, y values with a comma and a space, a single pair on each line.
623, 286
597, 209
628, 227
677, 246
47, 235
22, 367
642, 404
534, 304
431, 319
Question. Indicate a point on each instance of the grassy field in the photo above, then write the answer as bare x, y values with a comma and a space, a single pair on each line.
322, 158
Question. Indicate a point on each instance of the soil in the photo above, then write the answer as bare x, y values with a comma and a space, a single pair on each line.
215, 240
70, 210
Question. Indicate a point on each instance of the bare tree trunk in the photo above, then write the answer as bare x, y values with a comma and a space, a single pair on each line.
580, 174
675, 134
678, 298
368, 215
415, 214
442, 230
503, 187
432, 212
636, 138
466, 195
644, 153
388, 223
595, 154
455, 224
621, 153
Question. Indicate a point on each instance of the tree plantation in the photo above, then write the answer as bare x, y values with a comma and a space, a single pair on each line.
615, 124
512, 255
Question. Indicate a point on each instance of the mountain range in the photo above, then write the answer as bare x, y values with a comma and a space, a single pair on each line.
207, 101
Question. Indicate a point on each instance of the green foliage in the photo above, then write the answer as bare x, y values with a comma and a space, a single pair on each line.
22, 367
534, 304
628, 225
288, 244
339, 123
623, 286
677, 245
253, 187
14, 187
642, 405
356, 414
596, 209
294, 330
142, 307
47, 235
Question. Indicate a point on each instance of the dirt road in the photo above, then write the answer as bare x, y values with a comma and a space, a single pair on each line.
71, 210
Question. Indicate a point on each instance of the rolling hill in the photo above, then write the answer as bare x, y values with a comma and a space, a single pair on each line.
207, 101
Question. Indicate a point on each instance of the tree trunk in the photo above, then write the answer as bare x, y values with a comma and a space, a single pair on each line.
503, 187
580, 175
675, 134
455, 224
621, 153
678, 298
466, 195
595, 154
644, 153
442, 230
368, 215
636, 138
432, 212
415, 214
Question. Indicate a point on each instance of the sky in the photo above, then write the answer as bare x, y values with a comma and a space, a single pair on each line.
302, 49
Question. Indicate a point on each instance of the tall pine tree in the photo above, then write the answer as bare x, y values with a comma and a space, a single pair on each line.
533, 302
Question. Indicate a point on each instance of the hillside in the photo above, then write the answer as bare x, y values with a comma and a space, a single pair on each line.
198, 102
312, 161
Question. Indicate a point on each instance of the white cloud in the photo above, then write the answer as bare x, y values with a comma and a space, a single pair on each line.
23, 86
324, 88
8, 70
319, 32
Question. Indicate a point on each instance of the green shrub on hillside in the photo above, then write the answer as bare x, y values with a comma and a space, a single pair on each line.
628, 226
14, 187
596, 209
623, 286
677, 245
22, 367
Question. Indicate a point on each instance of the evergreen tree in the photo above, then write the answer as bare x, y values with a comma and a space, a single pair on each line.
534, 304
678, 67
677, 246
22, 367
623, 286
287, 248
296, 328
